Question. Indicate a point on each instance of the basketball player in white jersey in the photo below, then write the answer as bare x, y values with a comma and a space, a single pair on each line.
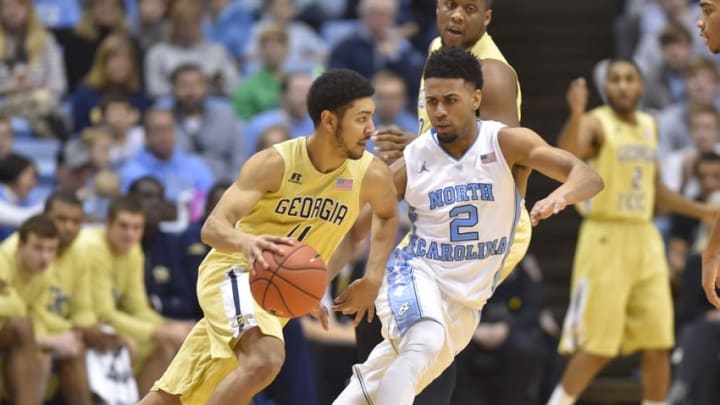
465, 204
709, 24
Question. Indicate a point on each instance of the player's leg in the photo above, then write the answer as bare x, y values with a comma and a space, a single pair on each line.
21, 372
73, 377
440, 391
579, 372
655, 374
521, 242
154, 364
160, 398
260, 358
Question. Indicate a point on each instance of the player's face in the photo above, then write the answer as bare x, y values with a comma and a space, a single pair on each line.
68, 219
36, 253
709, 24
451, 106
624, 86
708, 174
354, 129
125, 231
462, 22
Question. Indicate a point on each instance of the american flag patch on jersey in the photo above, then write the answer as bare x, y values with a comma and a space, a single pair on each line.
488, 158
343, 184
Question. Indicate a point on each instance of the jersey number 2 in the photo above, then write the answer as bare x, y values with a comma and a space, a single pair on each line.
465, 216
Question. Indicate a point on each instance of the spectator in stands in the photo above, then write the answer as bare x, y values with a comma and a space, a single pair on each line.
228, 23
74, 167
6, 136
32, 76
316, 12
306, 49
100, 18
503, 363
701, 85
204, 127
679, 166
25, 273
292, 112
116, 112
104, 184
186, 44
18, 178
272, 135
179, 172
391, 108
115, 71
150, 26
377, 45
119, 294
666, 80
261, 90
170, 286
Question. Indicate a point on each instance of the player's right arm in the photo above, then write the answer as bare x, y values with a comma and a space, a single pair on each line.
582, 135
710, 264
238, 200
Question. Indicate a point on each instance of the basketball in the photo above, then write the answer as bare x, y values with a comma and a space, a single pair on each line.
293, 283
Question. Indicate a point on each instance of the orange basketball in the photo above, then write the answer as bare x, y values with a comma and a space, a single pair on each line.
293, 283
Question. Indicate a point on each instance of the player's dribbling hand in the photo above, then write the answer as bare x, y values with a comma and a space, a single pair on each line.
358, 298
577, 95
546, 207
710, 277
390, 143
320, 312
254, 245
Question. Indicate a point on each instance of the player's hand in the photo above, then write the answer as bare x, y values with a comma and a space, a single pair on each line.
358, 298
320, 312
546, 208
710, 276
577, 95
254, 245
67, 344
390, 143
96, 338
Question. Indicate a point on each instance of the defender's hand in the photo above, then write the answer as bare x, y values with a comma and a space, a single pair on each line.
710, 277
358, 298
390, 143
546, 207
320, 312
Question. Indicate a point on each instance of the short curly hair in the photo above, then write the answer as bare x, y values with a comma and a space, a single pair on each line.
335, 90
454, 63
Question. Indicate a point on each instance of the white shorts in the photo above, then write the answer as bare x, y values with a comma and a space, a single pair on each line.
409, 294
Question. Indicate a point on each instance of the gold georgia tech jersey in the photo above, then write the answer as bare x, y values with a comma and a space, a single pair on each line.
317, 208
484, 48
626, 161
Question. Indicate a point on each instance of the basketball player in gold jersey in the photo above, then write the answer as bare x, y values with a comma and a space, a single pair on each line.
310, 188
709, 24
621, 299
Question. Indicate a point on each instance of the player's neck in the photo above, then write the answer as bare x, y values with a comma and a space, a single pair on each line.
460, 146
628, 116
323, 155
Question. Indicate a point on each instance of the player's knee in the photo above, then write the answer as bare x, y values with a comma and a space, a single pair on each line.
264, 367
21, 330
426, 336
656, 355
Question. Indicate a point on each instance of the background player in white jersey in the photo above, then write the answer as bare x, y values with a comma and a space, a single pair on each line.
465, 205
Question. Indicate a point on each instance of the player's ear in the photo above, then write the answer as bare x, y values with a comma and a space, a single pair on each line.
476, 99
487, 17
329, 120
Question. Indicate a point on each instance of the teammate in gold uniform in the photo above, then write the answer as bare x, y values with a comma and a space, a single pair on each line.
621, 299
308, 188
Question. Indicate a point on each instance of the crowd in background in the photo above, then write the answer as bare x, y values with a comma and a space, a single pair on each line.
144, 111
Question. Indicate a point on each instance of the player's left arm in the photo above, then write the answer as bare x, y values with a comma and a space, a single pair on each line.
499, 93
522, 146
379, 191
669, 200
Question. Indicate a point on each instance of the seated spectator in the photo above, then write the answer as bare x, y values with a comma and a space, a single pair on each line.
25, 275
113, 71
150, 27
678, 167
118, 114
170, 286
664, 84
272, 135
228, 23
179, 172
206, 128
261, 90
74, 167
104, 184
306, 49
32, 77
6, 136
391, 107
100, 18
119, 293
292, 113
701, 85
18, 178
377, 45
186, 44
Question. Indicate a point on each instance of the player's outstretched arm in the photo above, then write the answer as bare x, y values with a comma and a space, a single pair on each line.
522, 146
710, 264
499, 93
379, 191
582, 133
669, 200
238, 200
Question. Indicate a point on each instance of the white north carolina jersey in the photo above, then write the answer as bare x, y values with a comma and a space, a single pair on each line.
463, 213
